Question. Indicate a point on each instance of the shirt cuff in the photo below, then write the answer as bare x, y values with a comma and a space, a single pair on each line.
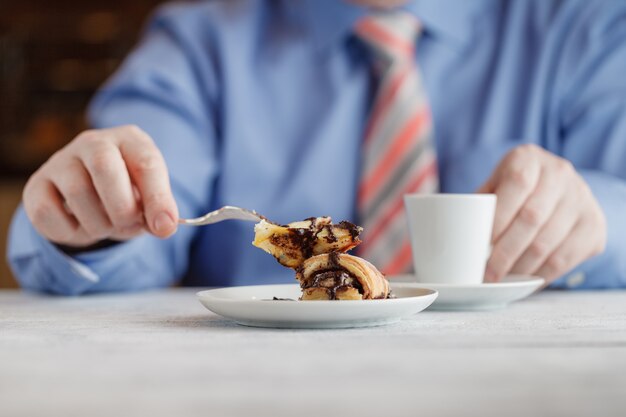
40, 265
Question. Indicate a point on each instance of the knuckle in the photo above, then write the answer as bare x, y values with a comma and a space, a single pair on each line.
148, 162
530, 148
520, 176
533, 147
40, 213
563, 167
525, 151
100, 163
531, 215
136, 132
88, 136
516, 155
95, 139
55, 159
538, 249
134, 129
74, 189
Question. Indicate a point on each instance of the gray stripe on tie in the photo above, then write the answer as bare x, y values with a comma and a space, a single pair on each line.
403, 173
386, 205
389, 127
389, 243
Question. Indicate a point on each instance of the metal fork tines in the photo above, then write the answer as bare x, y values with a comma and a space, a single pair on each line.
224, 213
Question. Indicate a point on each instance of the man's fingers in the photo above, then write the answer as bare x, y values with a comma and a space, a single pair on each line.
525, 226
574, 249
80, 196
516, 178
111, 180
109, 183
149, 173
551, 235
44, 206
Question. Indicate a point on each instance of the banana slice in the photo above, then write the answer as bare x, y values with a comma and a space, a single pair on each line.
295, 242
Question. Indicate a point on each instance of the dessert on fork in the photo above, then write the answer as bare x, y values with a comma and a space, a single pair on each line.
316, 249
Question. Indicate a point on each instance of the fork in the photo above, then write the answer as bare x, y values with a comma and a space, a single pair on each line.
221, 214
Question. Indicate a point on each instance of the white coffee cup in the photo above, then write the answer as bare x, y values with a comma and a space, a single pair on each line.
450, 236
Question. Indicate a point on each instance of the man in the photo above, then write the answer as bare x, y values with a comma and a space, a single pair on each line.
270, 105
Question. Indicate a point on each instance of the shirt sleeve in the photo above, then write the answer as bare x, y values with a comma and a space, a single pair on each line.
593, 133
166, 88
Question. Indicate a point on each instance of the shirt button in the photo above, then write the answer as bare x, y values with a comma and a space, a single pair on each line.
575, 280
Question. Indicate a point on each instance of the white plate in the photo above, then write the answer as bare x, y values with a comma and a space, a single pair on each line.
253, 306
488, 296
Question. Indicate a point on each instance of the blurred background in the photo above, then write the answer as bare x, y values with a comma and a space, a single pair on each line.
53, 56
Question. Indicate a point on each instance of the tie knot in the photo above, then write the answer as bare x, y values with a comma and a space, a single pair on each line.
392, 35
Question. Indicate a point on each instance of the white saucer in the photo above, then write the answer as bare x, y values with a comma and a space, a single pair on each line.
487, 296
253, 306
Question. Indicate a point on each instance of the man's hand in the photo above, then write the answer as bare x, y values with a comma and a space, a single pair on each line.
105, 184
547, 220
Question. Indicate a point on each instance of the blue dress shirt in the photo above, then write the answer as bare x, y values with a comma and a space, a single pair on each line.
262, 104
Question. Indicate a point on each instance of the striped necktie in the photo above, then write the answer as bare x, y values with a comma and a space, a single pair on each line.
398, 153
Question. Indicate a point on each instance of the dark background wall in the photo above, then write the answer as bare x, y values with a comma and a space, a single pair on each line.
53, 56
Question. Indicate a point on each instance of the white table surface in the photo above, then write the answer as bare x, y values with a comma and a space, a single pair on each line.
161, 353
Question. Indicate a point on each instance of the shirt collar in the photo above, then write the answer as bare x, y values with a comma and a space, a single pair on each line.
451, 20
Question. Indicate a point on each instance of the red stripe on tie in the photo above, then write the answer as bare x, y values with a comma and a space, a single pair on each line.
400, 262
396, 208
386, 99
370, 186
383, 37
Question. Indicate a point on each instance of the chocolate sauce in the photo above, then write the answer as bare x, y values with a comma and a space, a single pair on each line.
332, 280
302, 238
299, 242
290, 244
353, 229
330, 234
333, 258
309, 237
